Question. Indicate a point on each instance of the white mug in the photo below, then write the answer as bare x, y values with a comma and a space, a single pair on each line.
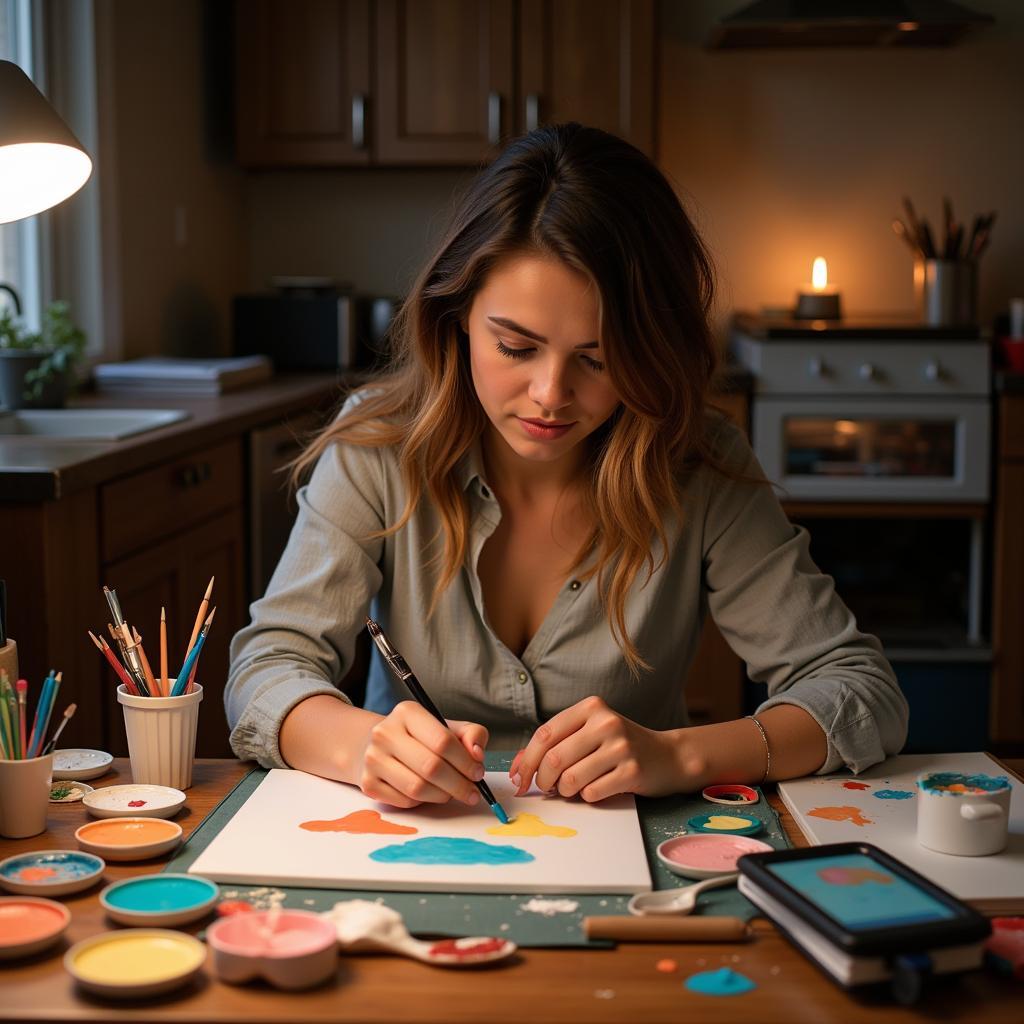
966, 815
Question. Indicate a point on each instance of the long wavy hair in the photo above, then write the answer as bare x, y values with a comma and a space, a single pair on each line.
599, 205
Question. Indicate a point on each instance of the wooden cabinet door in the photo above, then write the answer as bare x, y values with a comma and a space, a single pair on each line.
444, 80
303, 82
591, 61
174, 575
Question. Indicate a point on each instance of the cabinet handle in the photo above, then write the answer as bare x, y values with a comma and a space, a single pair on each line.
933, 370
358, 121
867, 371
815, 367
494, 118
532, 111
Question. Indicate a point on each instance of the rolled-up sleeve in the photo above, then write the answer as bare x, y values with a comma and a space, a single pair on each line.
783, 617
301, 639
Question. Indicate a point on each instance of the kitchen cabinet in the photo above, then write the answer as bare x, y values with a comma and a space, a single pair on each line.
339, 83
1006, 722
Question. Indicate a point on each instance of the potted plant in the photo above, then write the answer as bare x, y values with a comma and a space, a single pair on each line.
36, 367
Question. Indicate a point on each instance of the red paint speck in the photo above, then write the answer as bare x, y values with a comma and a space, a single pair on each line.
855, 785
228, 907
448, 947
666, 966
136, 803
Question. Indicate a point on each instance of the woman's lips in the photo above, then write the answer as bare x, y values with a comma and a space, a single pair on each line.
542, 431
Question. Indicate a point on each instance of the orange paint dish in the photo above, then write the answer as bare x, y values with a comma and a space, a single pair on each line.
29, 925
129, 838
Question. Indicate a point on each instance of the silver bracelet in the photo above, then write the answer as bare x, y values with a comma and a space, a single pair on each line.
767, 749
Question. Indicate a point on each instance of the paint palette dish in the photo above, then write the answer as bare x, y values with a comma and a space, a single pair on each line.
159, 901
29, 925
705, 855
722, 823
293, 949
129, 838
66, 792
134, 802
731, 794
50, 872
78, 763
135, 963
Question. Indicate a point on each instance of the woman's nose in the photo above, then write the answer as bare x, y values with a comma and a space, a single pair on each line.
551, 388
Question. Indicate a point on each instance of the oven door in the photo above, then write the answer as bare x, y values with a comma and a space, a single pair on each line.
874, 449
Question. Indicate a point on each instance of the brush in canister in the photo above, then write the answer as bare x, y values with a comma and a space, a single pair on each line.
68, 712
104, 649
123, 638
200, 616
184, 676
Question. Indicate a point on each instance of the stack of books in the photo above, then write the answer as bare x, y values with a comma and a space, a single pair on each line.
168, 375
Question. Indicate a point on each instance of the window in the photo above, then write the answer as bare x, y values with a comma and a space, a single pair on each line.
20, 240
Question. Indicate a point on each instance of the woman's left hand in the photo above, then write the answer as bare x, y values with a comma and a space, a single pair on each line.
591, 751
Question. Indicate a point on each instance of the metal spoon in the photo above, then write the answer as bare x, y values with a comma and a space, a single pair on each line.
676, 901
363, 925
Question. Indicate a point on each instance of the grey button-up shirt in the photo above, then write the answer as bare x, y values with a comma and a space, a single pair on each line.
733, 553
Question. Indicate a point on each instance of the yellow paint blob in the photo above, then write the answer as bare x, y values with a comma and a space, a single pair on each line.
133, 960
726, 822
531, 825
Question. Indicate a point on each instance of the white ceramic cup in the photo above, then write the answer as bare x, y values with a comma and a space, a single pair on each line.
161, 736
968, 823
25, 796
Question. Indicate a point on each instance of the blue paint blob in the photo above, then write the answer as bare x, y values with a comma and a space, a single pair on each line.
65, 865
939, 782
450, 850
893, 794
160, 894
723, 982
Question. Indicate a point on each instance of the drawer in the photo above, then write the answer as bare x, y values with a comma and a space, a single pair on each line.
871, 368
146, 507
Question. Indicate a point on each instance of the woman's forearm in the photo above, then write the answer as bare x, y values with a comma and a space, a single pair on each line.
326, 736
735, 751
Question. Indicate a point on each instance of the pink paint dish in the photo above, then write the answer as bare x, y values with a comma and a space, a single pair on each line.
703, 855
292, 949
29, 925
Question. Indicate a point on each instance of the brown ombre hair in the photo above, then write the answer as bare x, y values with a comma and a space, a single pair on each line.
599, 205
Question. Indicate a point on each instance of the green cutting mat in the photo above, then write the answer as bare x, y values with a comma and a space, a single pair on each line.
455, 914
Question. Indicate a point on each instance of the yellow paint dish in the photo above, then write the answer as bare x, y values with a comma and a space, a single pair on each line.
139, 962
730, 824
531, 825
129, 838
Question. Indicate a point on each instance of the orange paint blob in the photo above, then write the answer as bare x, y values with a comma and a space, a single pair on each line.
360, 823
666, 966
36, 874
855, 785
845, 813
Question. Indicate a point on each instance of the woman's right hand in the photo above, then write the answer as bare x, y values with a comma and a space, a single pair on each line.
410, 759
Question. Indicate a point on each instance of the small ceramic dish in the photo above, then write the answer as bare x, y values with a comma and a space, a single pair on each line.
726, 824
129, 838
78, 763
159, 901
134, 802
50, 872
705, 855
29, 925
292, 950
730, 794
72, 792
135, 963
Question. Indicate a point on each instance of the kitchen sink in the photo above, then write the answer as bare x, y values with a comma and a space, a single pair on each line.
87, 424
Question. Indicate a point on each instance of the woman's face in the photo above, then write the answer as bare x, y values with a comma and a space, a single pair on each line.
536, 357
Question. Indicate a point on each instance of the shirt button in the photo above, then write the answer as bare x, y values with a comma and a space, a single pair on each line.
575, 585
523, 677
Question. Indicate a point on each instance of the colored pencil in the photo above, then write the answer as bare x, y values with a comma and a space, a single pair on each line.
107, 653
22, 687
150, 681
184, 679
200, 616
37, 747
10, 713
40, 713
164, 685
68, 712
6, 733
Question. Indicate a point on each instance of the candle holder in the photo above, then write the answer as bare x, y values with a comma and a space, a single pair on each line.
818, 305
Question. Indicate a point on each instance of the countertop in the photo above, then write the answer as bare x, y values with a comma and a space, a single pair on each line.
46, 468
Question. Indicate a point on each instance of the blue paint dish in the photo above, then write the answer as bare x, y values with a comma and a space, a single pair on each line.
959, 782
450, 850
50, 873
159, 900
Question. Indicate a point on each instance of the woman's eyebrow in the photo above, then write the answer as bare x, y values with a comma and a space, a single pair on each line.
511, 325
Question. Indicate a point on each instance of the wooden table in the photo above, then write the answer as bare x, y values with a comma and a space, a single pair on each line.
537, 986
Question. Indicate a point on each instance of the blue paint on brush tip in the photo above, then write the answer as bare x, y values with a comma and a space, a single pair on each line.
499, 813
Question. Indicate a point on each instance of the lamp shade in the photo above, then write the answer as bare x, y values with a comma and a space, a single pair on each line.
41, 161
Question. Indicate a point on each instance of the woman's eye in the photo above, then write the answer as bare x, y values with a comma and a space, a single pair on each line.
594, 364
513, 353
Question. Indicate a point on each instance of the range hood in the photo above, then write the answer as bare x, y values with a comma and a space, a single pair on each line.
881, 23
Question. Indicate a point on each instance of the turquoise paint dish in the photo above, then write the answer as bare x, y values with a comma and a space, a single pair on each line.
159, 900
958, 782
50, 872
450, 850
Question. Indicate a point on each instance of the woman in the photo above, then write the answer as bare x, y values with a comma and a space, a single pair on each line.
538, 506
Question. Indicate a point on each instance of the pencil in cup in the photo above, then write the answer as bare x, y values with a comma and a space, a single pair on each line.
104, 649
186, 676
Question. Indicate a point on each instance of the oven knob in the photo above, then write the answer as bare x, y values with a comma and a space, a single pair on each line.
867, 371
815, 367
933, 370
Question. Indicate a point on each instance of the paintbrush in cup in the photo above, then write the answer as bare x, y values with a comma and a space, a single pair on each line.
68, 712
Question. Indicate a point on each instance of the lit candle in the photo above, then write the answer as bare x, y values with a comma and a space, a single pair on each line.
817, 300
